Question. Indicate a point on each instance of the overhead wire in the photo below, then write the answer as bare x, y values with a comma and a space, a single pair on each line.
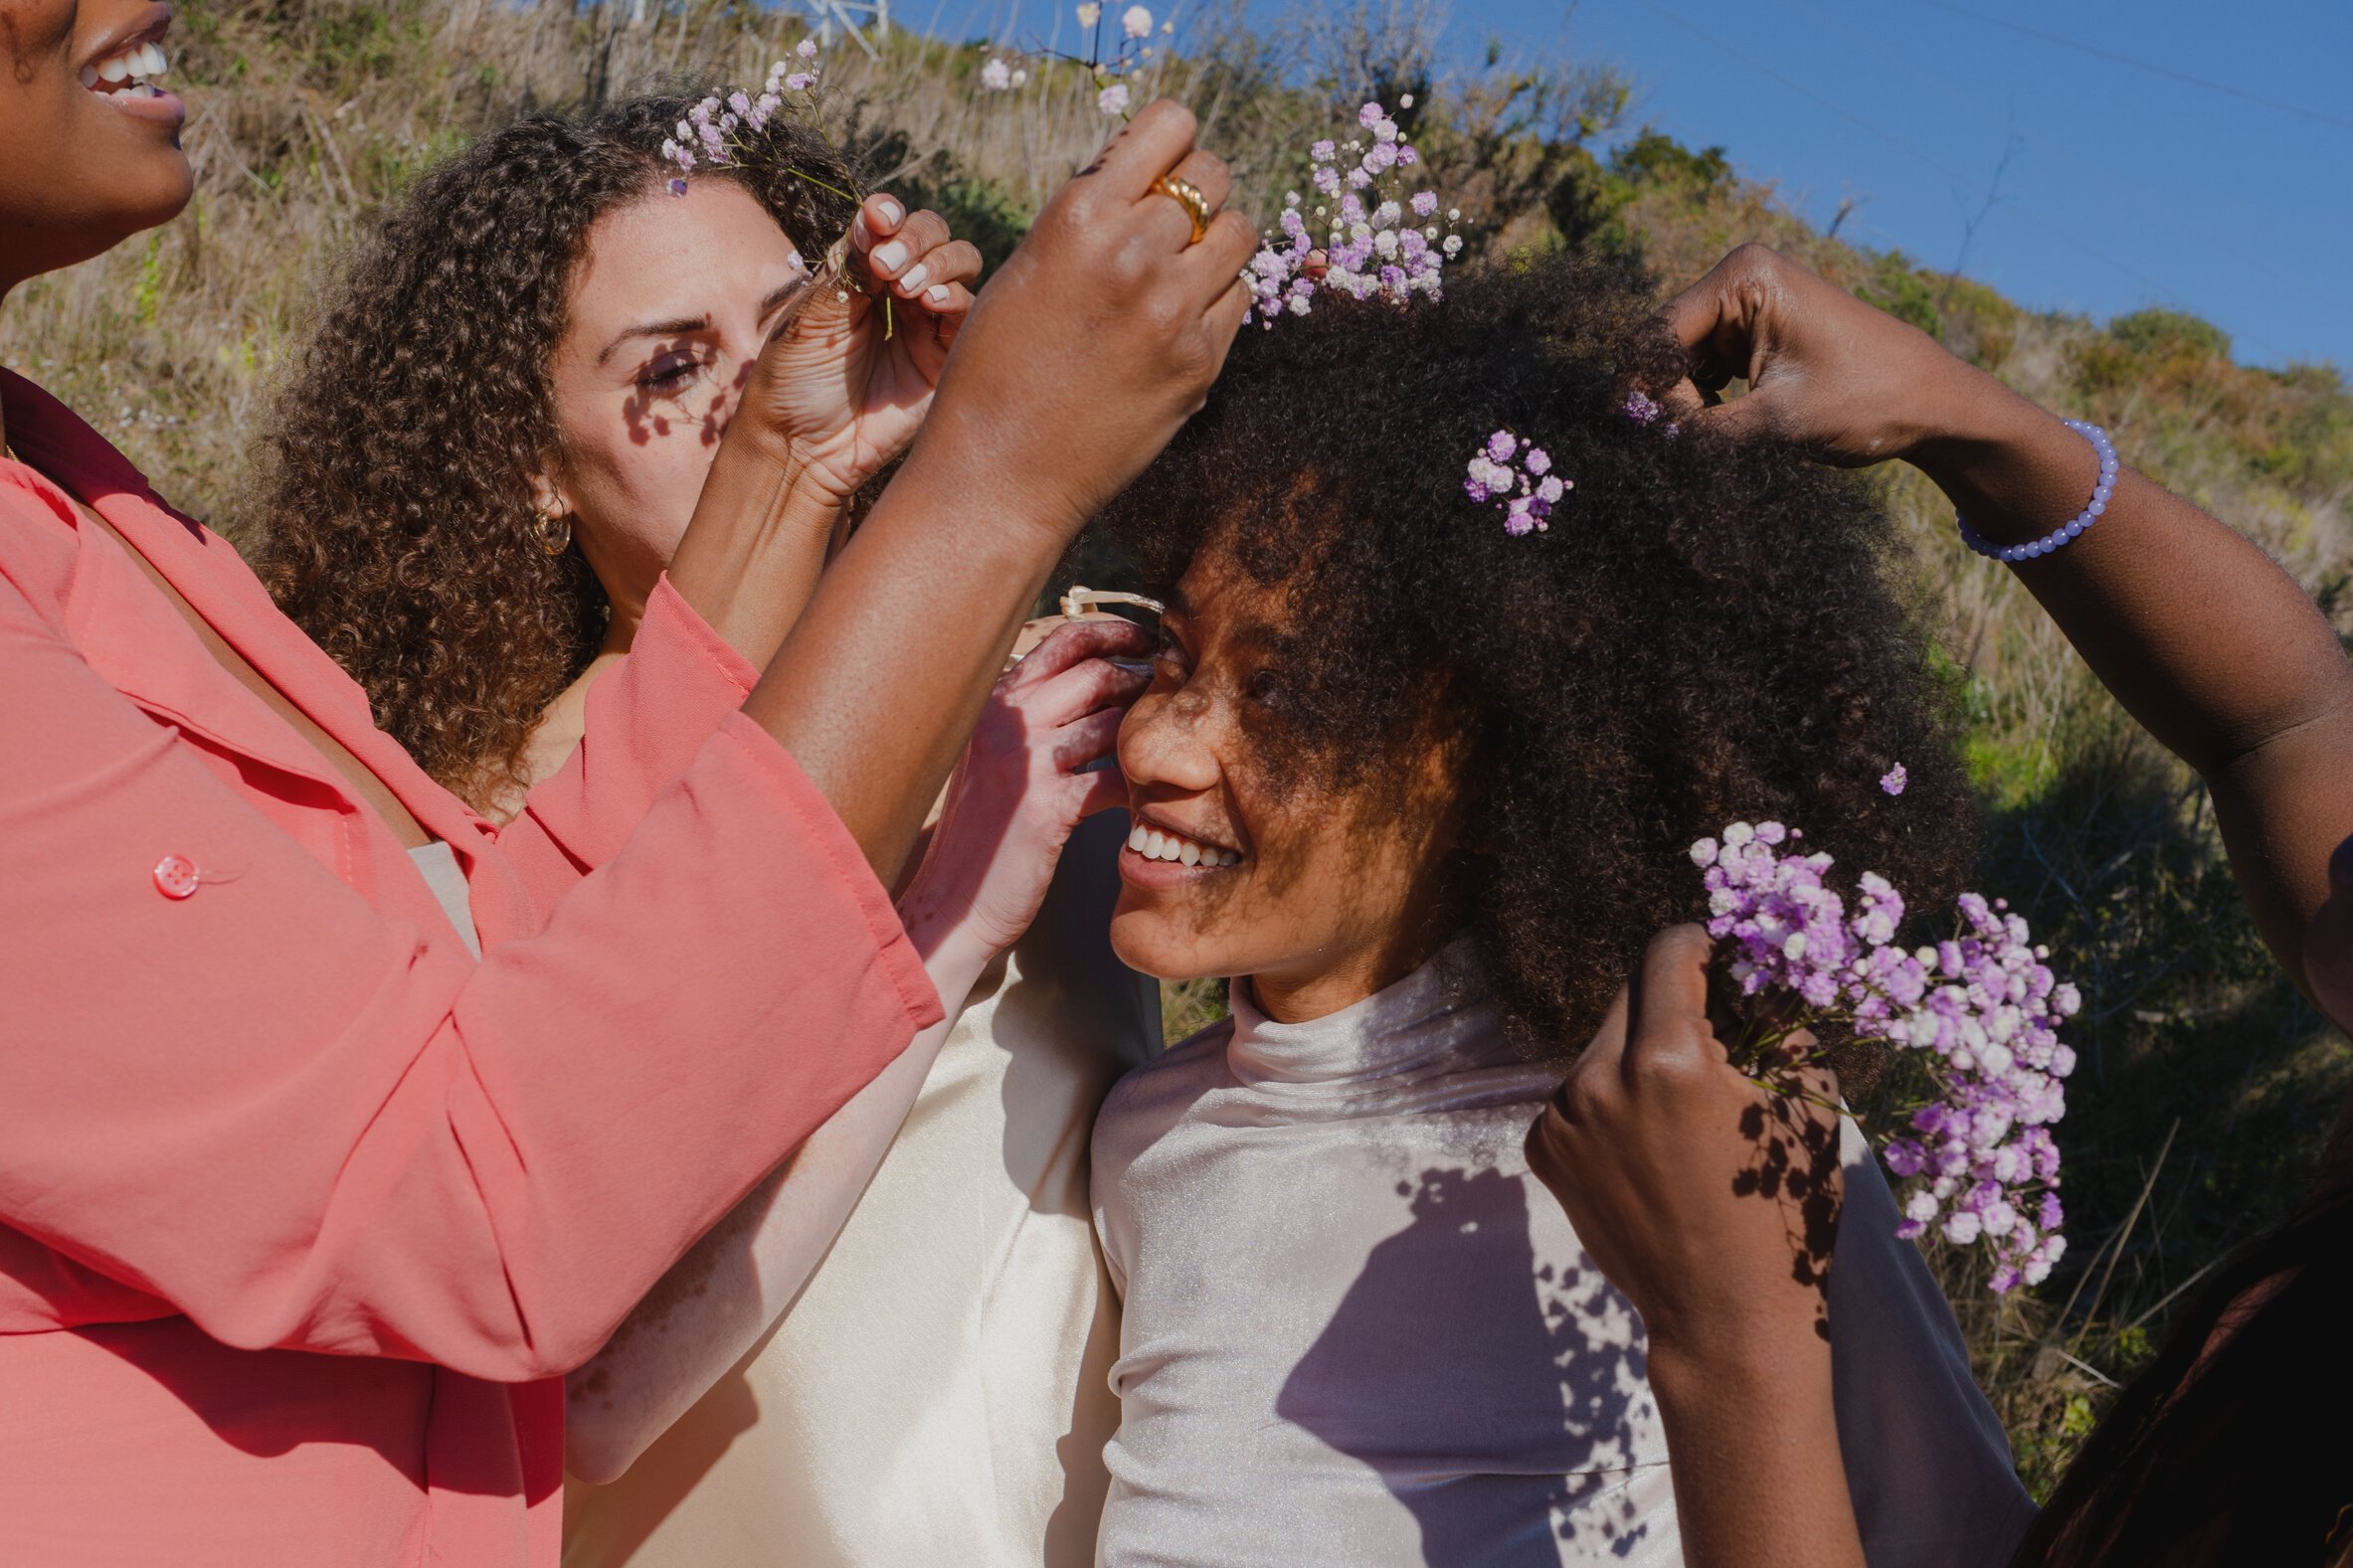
2094, 50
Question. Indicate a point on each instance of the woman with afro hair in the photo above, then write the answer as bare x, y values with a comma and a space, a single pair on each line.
1420, 778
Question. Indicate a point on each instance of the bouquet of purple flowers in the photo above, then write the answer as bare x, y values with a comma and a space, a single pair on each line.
1980, 1012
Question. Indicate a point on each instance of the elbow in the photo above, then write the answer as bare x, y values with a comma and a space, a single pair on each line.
600, 1440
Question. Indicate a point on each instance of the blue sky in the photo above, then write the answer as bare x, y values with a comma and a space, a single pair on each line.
2117, 187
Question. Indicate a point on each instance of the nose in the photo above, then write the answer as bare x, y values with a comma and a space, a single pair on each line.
1166, 739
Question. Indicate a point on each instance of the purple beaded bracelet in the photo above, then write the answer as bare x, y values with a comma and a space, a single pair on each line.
2074, 528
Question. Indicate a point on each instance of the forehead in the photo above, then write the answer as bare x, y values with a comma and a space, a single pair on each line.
710, 248
1226, 608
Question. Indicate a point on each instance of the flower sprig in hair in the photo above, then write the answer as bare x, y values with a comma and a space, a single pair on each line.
716, 132
1980, 1012
1516, 477
1365, 236
713, 130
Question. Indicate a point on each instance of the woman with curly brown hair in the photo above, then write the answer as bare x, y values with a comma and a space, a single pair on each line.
483, 466
1422, 777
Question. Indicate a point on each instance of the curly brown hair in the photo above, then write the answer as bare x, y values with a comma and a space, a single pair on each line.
1709, 631
394, 501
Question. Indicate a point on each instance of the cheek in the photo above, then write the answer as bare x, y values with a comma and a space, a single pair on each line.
635, 487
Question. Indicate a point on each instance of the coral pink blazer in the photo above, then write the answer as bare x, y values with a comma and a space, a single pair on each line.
302, 1207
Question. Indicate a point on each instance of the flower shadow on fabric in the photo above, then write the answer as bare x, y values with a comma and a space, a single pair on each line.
1499, 1443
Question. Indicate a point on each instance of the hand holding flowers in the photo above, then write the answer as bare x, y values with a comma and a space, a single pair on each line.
846, 380
1097, 338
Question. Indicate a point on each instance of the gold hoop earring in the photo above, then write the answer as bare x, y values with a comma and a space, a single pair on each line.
552, 529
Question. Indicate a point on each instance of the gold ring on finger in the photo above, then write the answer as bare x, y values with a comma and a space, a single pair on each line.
1188, 196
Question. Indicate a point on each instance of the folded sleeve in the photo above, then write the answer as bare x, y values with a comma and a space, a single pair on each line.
305, 1124
647, 719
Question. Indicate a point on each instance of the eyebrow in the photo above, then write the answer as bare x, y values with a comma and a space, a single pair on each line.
685, 325
677, 328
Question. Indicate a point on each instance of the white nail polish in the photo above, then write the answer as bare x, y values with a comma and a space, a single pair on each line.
937, 293
913, 278
888, 257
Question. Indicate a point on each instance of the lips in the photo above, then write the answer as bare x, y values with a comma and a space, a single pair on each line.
128, 70
140, 66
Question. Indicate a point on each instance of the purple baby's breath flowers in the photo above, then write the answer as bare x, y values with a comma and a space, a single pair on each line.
1357, 239
713, 130
1894, 779
1979, 1011
1506, 470
1641, 407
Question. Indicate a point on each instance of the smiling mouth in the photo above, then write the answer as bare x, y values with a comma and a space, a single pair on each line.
1158, 844
130, 72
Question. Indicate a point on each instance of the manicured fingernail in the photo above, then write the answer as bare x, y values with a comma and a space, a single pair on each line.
859, 235
888, 257
937, 293
914, 276
892, 212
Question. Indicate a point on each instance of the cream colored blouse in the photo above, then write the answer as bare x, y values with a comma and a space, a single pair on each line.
939, 1393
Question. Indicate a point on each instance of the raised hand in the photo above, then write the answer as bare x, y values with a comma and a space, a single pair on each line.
1709, 1201
1846, 382
1102, 333
1712, 1205
846, 380
1021, 787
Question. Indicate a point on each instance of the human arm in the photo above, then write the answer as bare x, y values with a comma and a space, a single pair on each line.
404, 1154
2202, 639
302, 1123
1092, 344
840, 390
1654, 1146
1017, 793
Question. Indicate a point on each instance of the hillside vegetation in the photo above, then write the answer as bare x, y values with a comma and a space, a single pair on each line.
2207, 1084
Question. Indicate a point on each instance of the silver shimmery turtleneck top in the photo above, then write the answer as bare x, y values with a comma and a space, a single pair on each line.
1357, 1332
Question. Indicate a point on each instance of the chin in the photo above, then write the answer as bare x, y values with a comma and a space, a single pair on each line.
1148, 942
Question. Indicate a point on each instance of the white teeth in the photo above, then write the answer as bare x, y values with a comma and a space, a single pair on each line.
138, 67
1152, 844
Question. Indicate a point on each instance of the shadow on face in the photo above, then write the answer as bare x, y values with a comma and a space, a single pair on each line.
89, 142
1242, 860
673, 299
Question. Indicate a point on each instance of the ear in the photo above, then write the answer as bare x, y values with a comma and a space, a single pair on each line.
549, 497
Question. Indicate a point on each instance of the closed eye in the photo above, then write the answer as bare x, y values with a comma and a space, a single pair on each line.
1168, 657
670, 373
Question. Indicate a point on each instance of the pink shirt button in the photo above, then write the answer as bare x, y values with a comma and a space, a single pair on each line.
175, 876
